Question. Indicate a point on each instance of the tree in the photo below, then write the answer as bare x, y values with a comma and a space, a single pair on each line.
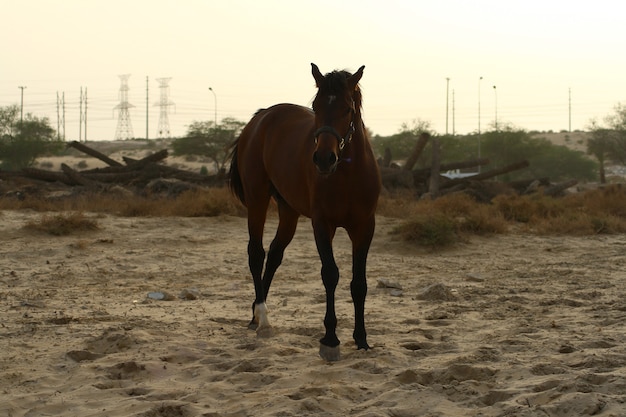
206, 139
598, 145
22, 141
402, 143
510, 145
609, 139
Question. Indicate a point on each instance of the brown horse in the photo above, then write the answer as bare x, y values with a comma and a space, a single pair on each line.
318, 164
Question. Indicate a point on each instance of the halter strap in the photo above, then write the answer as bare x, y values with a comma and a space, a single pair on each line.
333, 131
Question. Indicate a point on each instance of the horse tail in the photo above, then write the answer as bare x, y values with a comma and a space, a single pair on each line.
234, 179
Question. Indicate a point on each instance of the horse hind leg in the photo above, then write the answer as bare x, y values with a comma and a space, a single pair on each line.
257, 209
288, 221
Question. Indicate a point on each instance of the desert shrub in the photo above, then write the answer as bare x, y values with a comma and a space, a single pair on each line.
400, 205
63, 224
434, 231
610, 200
201, 203
527, 208
514, 208
449, 219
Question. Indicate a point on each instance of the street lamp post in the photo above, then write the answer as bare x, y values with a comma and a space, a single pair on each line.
495, 92
214, 106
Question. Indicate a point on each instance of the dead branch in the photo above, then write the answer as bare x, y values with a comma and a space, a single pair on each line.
557, 189
92, 152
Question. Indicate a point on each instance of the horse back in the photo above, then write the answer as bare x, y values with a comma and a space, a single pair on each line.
272, 154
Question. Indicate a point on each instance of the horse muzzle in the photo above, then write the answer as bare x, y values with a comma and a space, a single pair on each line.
325, 161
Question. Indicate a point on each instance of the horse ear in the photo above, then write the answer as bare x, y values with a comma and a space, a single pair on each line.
317, 75
355, 78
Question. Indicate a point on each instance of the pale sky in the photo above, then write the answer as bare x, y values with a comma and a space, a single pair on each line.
258, 53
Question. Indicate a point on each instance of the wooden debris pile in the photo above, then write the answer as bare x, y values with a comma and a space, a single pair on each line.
147, 175
481, 185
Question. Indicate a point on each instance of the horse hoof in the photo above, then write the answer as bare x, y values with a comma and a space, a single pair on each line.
330, 354
265, 332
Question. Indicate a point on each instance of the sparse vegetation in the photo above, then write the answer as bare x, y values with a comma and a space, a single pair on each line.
431, 223
453, 218
63, 224
191, 203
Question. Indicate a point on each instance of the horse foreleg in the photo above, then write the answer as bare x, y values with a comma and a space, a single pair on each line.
358, 287
329, 344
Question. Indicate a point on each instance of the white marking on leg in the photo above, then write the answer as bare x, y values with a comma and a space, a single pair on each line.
260, 312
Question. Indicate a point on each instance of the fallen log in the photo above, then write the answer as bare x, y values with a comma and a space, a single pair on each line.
557, 189
523, 186
154, 157
393, 177
135, 165
417, 151
487, 174
92, 152
386, 161
47, 176
76, 177
433, 186
396, 178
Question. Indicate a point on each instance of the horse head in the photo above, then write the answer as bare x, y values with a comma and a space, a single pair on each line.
337, 108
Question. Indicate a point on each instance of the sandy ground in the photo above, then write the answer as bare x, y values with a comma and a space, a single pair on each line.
501, 326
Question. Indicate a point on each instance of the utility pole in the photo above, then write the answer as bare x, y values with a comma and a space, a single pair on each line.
80, 117
85, 114
570, 110
214, 108
447, 101
453, 115
60, 116
22, 103
163, 130
147, 112
124, 127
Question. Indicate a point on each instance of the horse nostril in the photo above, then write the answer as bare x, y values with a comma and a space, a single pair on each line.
332, 158
315, 159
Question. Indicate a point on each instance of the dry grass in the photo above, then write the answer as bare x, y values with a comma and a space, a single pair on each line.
429, 223
441, 222
192, 203
63, 224
452, 218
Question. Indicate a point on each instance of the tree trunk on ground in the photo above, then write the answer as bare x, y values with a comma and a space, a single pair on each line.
433, 187
92, 152
417, 151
